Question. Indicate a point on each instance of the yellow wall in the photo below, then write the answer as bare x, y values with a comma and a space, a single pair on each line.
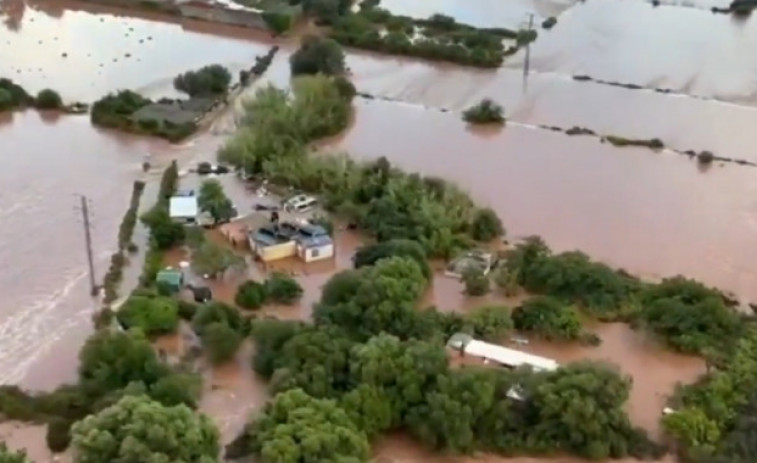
278, 251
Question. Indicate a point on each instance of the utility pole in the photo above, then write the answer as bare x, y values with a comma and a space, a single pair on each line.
88, 242
527, 63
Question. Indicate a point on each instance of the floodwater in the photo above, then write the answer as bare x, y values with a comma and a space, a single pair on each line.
655, 214
482, 13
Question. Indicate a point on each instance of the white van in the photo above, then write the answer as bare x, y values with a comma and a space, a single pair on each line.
300, 204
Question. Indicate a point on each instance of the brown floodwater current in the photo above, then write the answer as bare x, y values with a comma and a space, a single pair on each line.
655, 214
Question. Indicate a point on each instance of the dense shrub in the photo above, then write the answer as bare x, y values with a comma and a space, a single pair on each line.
476, 283
250, 295
113, 110
281, 288
278, 21
485, 112
153, 315
490, 323
13, 95
220, 342
48, 99
318, 55
9, 456
6, 99
370, 254
212, 312
58, 435
548, 318
486, 225
207, 81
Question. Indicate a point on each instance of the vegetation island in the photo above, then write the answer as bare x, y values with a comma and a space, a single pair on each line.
372, 361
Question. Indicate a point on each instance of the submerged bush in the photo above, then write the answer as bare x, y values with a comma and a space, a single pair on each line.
485, 112
318, 55
281, 288
250, 295
48, 99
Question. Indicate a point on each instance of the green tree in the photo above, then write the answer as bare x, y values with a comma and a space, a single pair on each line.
318, 55
490, 322
48, 99
405, 371
209, 80
370, 254
165, 232
447, 419
250, 295
693, 428
220, 342
270, 336
6, 100
315, 360
549, 318
109, 361
476, 283
296, 427
137, 429
213, 200
382, 300
9, 456
214, 259
212, 312
370, 408
177, 389
153, 315
486, 225
282, 288
580, 407
58, 435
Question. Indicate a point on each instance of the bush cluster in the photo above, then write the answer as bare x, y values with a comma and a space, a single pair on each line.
125, 231
684, 314
485, 112
221, 329
386, 202
372, 363
279, 288
208, 81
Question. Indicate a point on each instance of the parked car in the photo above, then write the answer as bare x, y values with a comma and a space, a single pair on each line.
300, 204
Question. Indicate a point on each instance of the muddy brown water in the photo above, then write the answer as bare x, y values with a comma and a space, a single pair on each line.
654, 214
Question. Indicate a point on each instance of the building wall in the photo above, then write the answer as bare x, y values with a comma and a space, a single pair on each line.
316, 254
225, 16
277, 251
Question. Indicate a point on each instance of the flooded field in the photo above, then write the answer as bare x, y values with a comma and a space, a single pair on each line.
655, 214
482, 13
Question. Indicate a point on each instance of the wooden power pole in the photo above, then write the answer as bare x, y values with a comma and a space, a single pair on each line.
527, 63
88, 242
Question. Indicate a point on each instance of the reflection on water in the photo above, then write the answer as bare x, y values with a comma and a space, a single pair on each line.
652, 214
86, 55
512, 14
686, 49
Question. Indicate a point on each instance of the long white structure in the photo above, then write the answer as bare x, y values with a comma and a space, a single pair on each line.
508, 357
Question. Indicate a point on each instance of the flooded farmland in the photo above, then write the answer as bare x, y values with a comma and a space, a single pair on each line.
652, 213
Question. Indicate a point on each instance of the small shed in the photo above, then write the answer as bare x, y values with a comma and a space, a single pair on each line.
170, 278
314, 243
183, 209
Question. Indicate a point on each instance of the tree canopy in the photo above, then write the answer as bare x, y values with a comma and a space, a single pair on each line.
138, 429
153, 315
9, 456
206, 81
318, 55
548, 318
213, 200
296, 427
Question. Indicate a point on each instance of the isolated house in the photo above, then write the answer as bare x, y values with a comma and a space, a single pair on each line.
286, 239
184, 209
510, 358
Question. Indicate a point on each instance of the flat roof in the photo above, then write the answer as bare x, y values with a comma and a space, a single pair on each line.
183, 206
510, 357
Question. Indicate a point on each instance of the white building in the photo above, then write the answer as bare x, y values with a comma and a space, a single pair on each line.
183, 209
510, 358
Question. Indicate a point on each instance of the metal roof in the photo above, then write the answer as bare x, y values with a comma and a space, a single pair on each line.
510, 357
183, 206
314, 241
